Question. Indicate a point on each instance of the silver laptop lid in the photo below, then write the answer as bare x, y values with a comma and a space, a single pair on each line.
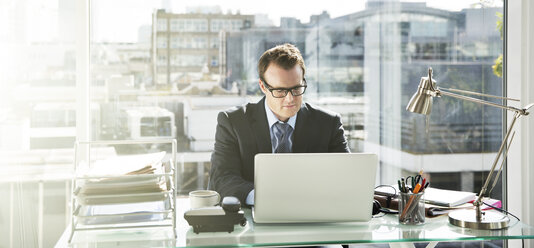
314, 187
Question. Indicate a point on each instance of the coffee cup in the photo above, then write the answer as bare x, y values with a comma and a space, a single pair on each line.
204, 198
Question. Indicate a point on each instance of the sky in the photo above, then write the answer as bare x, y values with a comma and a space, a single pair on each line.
119, 20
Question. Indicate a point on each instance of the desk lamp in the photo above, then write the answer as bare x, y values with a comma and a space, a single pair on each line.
421, 103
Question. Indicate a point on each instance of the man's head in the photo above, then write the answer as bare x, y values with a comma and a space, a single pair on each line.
281, 70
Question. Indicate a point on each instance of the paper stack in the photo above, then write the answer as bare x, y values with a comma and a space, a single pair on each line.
124, 179
124, 189
439, 197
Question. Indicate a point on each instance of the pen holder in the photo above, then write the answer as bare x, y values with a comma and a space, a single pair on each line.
411, 208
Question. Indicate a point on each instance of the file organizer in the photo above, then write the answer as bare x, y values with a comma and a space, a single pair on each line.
119, 201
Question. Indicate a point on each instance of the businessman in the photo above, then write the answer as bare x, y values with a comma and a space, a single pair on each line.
279, 122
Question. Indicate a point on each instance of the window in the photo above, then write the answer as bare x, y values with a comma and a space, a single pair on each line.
200, 42
162, 25
162, 42
215, 25
363, 60
176, 42
214, 61
214, 43
162, 60
188, 60
226, 24
371, 62
179, 24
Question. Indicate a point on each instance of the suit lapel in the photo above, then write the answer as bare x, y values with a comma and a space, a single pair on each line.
299, 135
260, 127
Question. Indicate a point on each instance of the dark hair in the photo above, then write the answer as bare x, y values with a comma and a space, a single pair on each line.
285, 56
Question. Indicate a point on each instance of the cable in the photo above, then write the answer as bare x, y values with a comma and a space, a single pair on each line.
501, 210
380, 209
385, 185
388, 211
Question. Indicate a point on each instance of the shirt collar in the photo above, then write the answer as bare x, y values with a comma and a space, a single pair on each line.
271, 118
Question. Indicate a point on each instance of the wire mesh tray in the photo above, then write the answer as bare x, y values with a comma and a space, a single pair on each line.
124, 213
123, 191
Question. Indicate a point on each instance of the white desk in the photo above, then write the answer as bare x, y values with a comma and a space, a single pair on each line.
379, 230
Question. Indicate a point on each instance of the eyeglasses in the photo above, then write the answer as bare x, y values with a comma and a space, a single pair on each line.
282, 92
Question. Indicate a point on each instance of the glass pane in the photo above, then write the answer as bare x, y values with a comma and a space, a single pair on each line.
364, 60
37, 119
164, 69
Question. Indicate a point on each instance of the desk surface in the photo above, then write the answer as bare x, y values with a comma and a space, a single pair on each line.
379, 230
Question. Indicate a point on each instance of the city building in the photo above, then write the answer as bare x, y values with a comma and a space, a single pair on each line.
185, 43
244, 48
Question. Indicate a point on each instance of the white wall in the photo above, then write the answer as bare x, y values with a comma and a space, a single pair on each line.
520, 77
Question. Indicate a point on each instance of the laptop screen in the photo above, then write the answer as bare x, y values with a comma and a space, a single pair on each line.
314, 187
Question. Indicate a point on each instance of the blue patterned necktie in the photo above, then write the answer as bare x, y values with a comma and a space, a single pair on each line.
282, 133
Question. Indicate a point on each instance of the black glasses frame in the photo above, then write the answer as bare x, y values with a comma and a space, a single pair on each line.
286, 90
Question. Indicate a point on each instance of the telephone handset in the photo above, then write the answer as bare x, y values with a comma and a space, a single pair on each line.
217, 219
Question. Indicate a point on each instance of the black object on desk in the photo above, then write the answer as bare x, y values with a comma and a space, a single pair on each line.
217, 219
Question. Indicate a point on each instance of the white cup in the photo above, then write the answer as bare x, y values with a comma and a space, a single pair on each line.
204, 198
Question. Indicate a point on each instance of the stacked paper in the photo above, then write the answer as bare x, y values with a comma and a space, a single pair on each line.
123, 179
124, 165
439, 197
123, 189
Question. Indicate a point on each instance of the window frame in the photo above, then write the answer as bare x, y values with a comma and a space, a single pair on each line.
518, 69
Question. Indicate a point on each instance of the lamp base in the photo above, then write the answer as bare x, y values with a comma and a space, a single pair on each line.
490, 219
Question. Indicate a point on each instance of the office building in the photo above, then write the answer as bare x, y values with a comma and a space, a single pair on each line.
244, 48
185, 43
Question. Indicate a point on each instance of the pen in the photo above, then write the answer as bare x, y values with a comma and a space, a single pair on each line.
417, 188
419, 176
423, 183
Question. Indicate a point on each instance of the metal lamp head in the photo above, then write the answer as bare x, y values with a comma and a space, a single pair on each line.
421, 101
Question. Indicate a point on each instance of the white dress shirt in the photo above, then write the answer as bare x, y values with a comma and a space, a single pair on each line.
272, 119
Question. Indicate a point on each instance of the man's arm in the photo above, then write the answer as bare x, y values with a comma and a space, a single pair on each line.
338, 141
226, 165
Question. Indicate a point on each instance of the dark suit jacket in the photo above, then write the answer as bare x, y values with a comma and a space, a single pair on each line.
242, 132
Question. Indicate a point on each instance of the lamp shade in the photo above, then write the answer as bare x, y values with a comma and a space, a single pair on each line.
421, 101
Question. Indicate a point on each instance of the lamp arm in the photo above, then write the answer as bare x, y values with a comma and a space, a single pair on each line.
502, 163
478, 202
479, 94
440, 91
517, 115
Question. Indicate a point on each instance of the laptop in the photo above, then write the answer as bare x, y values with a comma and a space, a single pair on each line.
313, 187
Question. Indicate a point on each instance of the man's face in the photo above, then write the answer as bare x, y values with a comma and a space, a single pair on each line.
278, 77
